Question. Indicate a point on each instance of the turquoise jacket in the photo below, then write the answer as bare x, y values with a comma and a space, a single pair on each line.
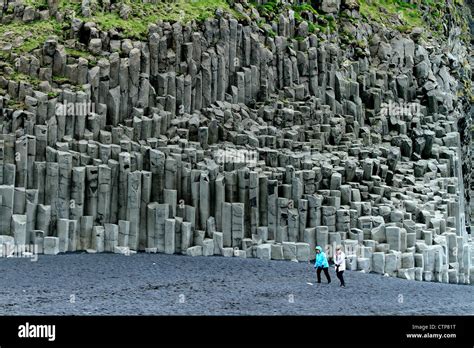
321, 259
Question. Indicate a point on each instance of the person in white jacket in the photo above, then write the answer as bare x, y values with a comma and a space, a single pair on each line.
340, 264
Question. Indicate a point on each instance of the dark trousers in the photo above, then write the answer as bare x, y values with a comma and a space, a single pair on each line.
326, 273
340, 277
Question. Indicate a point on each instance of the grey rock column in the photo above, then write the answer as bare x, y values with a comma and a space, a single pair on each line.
31, 207
124, 170
85, 234
134, 76
393, 237
303, 218
219, 200
133, 207
111, 232
124, 232
185, 187
145, 199
190, 215
218, 243
263, 200
296, 190
78, 191
157, 168
293, 225
195, 194
69, 98
41, 133
221, 75
187, 93
171, 169
52, 186
152, 225
51, 245
346, 194
144, 91
310, 238
241, 87
272, 208
243, 185
204, 200
62, 229
206, 79
31, 152
231, 187
113, 106
37, 239
114, 187
227, 224
314, 204
170, 198
19, 201
177, 236
21, 158
80, 117
187, 236
238, 224
281, 233
98, 239
197, 93
43, 219
203, 135
104, 194
153, 44
322, 237
93, 125
18, 229
9, 174
114, 59
162, 214
92, 186
170, 230
39, 182
9, 150
254, 195
72, 235
124, 88
6, 208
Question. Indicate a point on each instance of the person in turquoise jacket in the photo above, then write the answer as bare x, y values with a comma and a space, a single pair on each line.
321, 264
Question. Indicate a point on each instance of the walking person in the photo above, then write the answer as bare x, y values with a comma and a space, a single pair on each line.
340, 264
321, 264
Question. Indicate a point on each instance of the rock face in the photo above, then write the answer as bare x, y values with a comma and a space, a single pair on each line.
216, 138
330, 6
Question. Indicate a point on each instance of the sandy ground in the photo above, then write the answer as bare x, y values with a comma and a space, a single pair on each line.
156, 284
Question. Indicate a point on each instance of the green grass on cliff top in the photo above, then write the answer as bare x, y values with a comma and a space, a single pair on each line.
28, 37
404, 16
397, 13
183, 11
388, 11
144, 14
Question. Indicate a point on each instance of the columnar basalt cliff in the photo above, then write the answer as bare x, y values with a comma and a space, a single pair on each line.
249, 130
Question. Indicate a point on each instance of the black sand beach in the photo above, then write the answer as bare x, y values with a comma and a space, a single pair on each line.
157, 284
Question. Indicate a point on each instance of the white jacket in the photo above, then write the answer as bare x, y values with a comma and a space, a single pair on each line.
340, 260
